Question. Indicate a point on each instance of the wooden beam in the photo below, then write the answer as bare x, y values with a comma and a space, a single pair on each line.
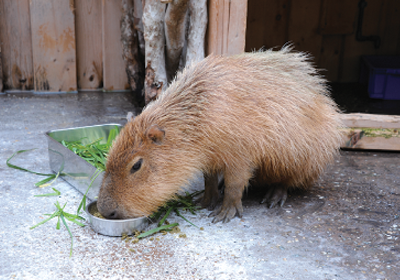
369, 120
53, 44
371, 132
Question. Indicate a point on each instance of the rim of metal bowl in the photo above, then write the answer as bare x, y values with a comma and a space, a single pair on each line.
108, 220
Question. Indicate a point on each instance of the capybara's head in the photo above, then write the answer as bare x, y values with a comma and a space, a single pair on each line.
141, 173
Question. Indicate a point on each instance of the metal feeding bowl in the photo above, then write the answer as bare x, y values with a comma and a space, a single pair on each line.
114, 227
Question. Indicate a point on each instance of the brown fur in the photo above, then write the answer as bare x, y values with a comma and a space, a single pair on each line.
264, 114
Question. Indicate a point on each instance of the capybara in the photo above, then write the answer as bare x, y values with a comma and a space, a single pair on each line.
264, 116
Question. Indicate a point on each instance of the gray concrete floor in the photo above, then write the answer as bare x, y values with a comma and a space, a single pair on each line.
346, 227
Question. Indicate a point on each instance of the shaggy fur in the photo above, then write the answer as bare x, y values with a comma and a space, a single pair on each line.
264, 115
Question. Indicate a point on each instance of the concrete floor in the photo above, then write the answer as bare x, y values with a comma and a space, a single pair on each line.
346, 227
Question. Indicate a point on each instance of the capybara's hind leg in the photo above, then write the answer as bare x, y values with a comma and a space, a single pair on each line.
211, 192
276, 194
232, 202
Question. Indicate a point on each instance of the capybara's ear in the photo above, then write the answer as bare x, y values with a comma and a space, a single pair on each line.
155, 134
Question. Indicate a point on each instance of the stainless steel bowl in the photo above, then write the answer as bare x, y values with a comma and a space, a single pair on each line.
114, 227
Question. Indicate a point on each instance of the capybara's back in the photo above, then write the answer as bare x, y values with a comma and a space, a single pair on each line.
264, 116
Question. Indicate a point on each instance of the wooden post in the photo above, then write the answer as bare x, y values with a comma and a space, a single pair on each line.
175, 31
197, 30
153, 23
1, 73
53, 44
130, 49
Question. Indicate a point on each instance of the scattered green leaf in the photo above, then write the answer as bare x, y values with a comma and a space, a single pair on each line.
152, 231
55, 193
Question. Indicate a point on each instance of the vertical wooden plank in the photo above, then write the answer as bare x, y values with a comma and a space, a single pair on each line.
16, 44
214, 32
257, 13
89, 54
237, 27
114, 75
337, 17
53, 43
267, 23
303, 26
329, 59
226, 26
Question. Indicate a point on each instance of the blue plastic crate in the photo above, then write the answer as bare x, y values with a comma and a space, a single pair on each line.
382, 74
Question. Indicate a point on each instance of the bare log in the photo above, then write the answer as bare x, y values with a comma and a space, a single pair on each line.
134, 67
138, 23
197, 30
175, 31
1, 73
153, 26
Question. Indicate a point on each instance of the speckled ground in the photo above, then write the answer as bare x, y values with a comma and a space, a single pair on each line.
346, 227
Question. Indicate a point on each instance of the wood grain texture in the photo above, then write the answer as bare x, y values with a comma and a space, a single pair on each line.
236, 34
370, 143
53, 44
114, 75
214, 40
303, 26
326, 29
370, 120
134, 63
175, 30
267, 24
89, 52
330, 56
16, 44
227, 26
197, 31
154, 35
371, 132
1, 73
338, 17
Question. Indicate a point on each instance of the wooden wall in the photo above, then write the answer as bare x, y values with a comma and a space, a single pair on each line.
60, 45
326, 29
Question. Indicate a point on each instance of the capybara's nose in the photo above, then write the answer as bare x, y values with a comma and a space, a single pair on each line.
108, 208
111, 214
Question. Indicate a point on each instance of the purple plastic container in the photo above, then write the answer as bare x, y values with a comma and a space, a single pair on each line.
382, 74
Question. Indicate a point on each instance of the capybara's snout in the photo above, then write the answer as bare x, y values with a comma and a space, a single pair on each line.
108, 208
109, 212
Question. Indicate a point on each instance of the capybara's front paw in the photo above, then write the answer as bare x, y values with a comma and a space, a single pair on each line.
226, 213
275, 195
208, 202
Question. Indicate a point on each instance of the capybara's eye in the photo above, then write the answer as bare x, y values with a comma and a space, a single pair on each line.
136, 166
